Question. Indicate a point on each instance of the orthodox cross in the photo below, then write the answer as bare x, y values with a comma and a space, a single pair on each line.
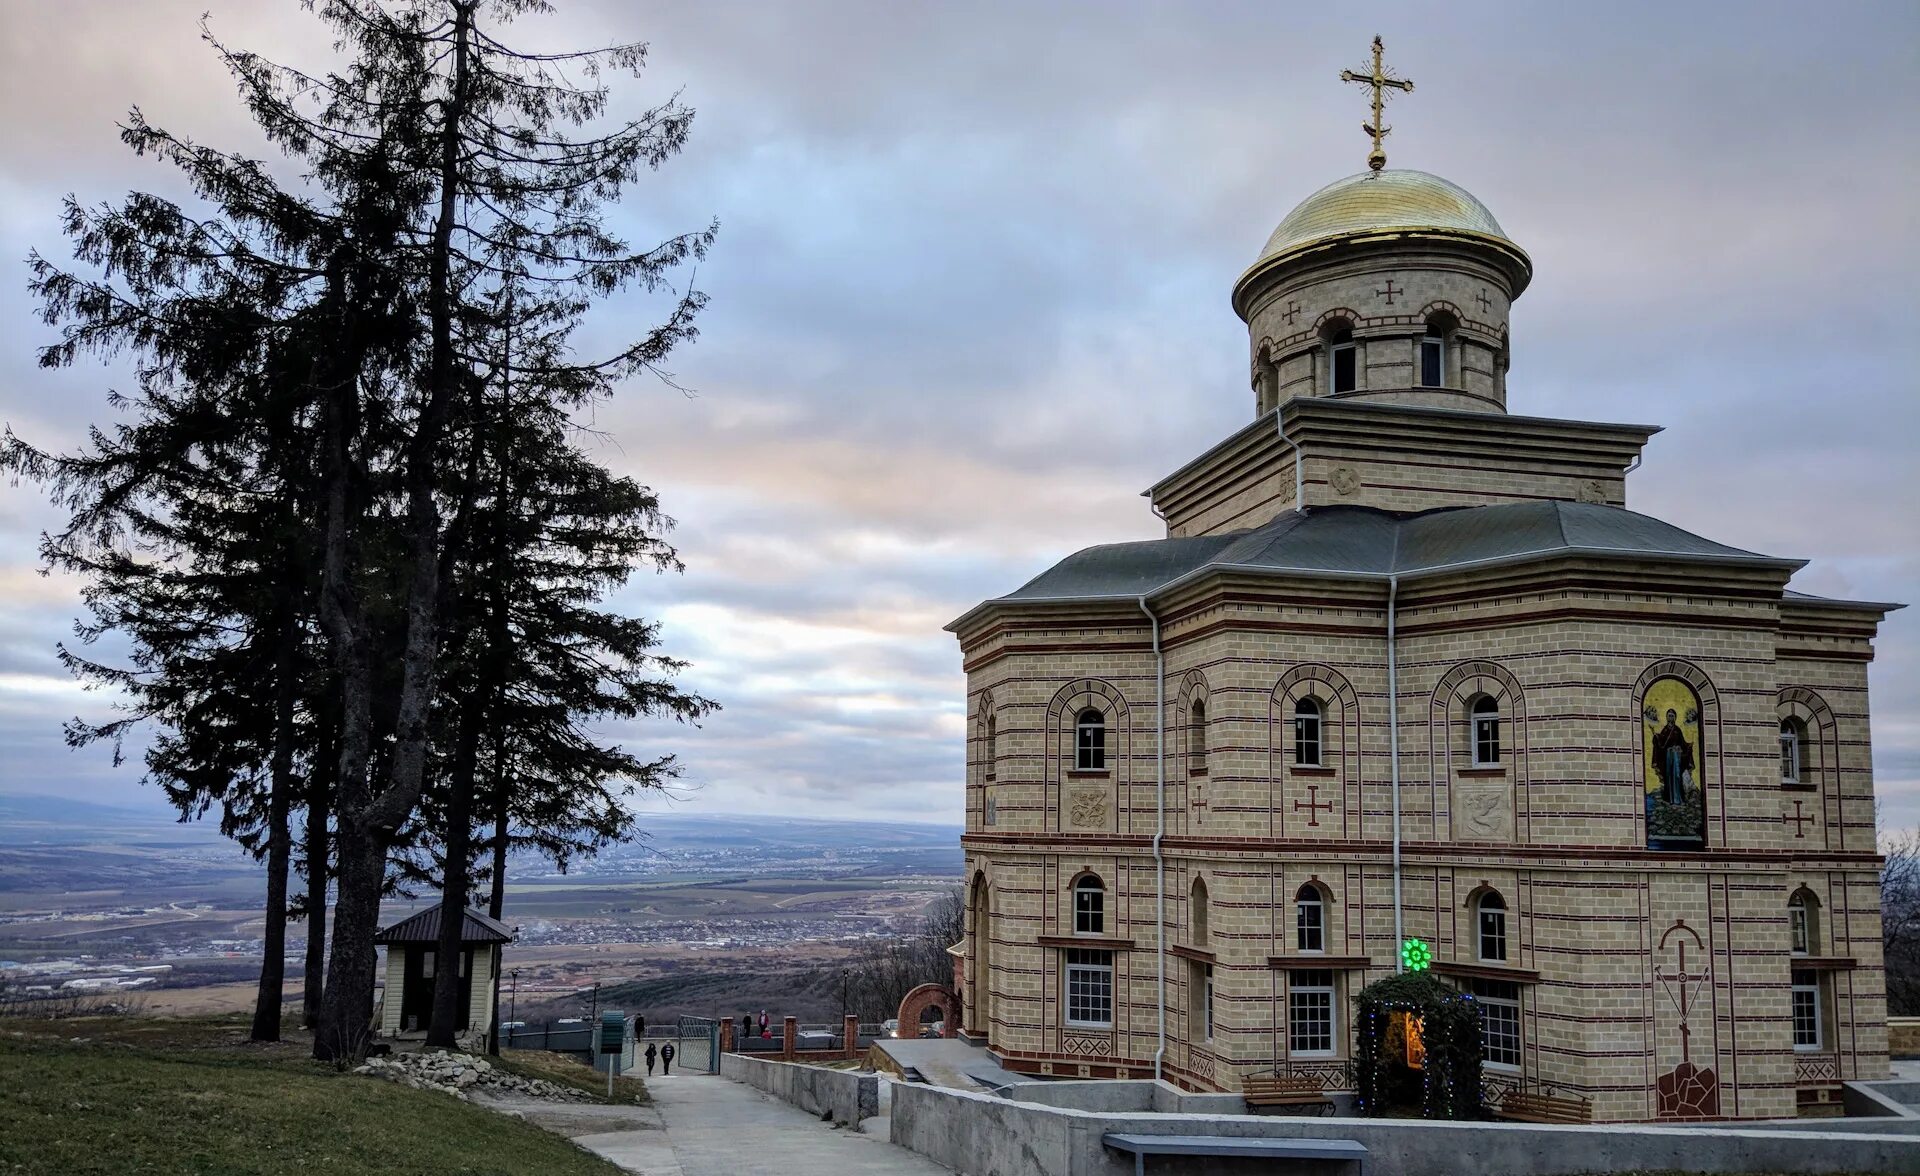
1200, 801
1800, 820
1681, 986
1381, 80
1389, 292
1293, 312
1314, 806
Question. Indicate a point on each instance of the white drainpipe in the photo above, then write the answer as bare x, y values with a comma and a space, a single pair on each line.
1393, 757
1160, 831
1299, 464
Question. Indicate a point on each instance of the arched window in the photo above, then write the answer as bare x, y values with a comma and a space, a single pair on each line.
1090, 741
993, 745
1676, 766
1794, 752
1492, 911
1197, 913
1310, 919
1343, 361
1433, 358
1306, 733
1803, 923
1089, 906
1433, 349
1486, 732
1197, 738
1266, 383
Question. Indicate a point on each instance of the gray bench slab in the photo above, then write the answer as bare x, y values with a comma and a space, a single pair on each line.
1143, 1146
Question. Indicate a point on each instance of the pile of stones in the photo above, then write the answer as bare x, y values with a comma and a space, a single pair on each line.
462, 1074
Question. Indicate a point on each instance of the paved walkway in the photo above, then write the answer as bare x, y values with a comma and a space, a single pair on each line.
709, 1126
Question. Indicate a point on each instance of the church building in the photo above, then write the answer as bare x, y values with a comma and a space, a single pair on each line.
1407, 672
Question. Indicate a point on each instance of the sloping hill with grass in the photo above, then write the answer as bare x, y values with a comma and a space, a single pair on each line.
119, 1095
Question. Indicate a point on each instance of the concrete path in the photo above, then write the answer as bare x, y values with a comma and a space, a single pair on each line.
708, 1126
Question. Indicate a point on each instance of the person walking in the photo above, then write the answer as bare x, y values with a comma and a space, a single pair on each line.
747, 1027
666, 1059
764, 1031
650, 1056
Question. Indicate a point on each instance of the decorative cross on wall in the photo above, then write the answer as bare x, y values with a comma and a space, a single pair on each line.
1200, 802
1681, 986
1388, 293
1485, 302
1800, 820
1293, 312
1314, 806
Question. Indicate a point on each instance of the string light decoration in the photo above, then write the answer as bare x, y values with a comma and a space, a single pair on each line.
1447, 1083
1416, 955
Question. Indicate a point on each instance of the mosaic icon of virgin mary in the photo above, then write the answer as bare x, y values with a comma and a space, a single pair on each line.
1674, 766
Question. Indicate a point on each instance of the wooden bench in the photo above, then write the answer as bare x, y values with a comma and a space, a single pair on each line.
1535, 1107
1143, 1146
1275, 1091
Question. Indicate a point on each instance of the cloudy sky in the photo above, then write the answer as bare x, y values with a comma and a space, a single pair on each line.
970, 297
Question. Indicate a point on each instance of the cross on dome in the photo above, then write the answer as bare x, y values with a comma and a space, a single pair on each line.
1381, 80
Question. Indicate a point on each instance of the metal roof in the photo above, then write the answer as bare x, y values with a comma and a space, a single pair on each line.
1397, 198
1366, 542
424, 927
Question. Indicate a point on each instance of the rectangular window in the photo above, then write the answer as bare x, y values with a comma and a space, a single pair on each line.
1499, 1022
1432, 362
1306, 740
1310, 923
427, 961
1486, 741
992, 813
1802, 930
1090, 988
1310, 1012
1089, 910
1345, 364
1806, 1010
1493, 934
1789, 755
1207, 1008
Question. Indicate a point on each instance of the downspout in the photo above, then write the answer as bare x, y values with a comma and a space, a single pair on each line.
1299, 464
1393, 758
1159, 832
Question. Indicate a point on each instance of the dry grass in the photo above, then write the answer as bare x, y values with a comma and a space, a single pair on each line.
561, 1069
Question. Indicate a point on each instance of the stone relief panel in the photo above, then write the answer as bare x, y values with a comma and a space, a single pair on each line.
1483, 810
1087, 808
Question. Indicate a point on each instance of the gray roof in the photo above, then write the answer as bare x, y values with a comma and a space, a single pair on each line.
1363, 541
424, 927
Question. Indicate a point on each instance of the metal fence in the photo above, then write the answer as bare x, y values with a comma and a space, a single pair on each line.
698, 1044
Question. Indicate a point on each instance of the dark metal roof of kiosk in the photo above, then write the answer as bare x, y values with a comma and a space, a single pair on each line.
424, 927
1363, 541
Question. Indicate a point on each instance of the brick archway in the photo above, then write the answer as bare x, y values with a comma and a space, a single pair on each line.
929, 996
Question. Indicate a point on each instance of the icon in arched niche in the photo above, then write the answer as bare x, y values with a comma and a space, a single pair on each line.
1675, 766
1688, 1091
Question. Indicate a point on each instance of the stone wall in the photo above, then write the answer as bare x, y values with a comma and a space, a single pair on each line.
978, 1133
849, 1096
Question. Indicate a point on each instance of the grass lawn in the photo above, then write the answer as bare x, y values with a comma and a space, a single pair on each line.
190, 1096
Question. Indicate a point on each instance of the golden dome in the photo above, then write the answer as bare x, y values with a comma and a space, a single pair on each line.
1382, 201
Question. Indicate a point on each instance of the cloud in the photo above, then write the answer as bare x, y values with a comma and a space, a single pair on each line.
970, 297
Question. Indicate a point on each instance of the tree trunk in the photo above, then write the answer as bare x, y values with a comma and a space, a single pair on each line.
497, 900
446, 1023
319, 812
273, 960
346, 1011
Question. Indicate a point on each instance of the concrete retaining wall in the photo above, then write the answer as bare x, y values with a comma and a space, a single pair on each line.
1117, 1096
977, 1133
848, 1095
1903, 1036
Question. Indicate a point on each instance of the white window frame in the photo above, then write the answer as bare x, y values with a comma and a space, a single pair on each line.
1483, 732
1334, 351
1090, 755
1799, 926
1807, 993
1484, 994
1089, 918
1313, 998
1089, 983
1300, 741
1789, 751
1498, 915
1319, 905
1439, 344
1206, 1004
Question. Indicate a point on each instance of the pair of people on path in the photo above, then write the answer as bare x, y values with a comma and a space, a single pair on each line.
665, 1054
